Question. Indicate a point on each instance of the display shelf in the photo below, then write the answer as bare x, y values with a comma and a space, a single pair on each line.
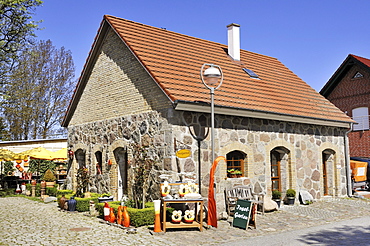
195, 224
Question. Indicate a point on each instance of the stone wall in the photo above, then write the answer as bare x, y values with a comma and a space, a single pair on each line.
301, 163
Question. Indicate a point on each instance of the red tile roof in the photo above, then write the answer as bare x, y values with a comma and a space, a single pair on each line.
174, 61
363, 60
336, 78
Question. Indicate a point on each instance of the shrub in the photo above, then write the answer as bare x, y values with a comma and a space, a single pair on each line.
37, 190
49, 176
83, 204
276, 194
51, 191
7, 192
290, 193
64, 192
138, 217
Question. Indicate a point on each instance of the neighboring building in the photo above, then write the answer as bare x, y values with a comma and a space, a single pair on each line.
142, 84
349, 90
23, 145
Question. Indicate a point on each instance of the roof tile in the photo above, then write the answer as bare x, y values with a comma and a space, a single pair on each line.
174, 60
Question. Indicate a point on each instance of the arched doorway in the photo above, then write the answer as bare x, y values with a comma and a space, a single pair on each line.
327, 171
280, 168
120, 154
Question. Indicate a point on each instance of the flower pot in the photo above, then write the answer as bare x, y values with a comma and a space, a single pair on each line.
278, 201
50, 184
105, 199
72, 204
291, 200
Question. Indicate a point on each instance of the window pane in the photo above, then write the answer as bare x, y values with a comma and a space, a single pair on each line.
361, 116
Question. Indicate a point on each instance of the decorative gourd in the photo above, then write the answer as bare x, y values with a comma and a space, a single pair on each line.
106, 211
165, 189
183, 190
112, 217
176, 216
189, 216
126, 217
119, 215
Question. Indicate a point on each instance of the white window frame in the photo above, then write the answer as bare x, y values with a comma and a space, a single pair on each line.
361, 116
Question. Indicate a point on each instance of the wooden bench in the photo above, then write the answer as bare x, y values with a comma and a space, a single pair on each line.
243, 192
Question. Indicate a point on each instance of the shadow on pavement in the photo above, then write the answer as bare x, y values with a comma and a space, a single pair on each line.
339, 236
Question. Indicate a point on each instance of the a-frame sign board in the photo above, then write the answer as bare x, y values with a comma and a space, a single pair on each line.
244, 214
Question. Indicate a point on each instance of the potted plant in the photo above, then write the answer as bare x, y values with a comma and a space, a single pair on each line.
290, 194
276, 196
49, 178
231, 173
238, 173
105, 197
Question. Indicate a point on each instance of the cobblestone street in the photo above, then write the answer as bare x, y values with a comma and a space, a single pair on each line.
26, 222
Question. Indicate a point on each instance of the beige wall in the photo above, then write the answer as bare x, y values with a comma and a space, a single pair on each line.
118, 85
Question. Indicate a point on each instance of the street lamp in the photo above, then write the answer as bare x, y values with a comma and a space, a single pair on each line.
210, 78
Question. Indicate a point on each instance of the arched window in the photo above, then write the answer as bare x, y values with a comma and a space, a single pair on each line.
361, 116
235, 160
99, 158
80, 158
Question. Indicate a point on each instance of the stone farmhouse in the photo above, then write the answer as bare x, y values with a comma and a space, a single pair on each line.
349, 90
141, 84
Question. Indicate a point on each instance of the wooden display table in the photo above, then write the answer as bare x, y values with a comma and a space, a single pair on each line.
195, 223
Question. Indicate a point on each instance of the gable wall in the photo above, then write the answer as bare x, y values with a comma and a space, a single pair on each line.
112, 91
349, 94
352, 93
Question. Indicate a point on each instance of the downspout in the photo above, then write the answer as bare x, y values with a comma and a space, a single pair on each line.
347, 161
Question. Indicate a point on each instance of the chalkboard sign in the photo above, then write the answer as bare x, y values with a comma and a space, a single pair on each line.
242, 213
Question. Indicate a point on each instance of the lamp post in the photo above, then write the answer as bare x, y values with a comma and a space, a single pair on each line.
210, 78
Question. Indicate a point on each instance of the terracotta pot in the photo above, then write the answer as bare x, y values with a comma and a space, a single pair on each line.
50, 184
62, 202
43, 184
33, 182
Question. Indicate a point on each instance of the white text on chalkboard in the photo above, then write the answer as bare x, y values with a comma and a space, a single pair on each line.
244, 209
240, 216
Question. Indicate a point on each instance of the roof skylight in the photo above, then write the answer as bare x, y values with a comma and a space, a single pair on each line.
250, 73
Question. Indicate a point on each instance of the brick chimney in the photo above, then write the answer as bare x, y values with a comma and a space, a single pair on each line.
233, 39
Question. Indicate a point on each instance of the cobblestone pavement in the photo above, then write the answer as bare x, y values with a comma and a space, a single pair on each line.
25, 222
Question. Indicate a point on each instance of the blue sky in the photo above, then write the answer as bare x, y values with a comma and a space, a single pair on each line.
312, 37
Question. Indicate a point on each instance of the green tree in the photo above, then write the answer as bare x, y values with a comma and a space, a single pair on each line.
35, 100
16, 30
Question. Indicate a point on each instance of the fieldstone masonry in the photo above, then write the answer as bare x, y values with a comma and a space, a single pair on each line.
301, 146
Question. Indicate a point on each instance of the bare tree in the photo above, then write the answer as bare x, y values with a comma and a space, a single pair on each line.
37, 97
